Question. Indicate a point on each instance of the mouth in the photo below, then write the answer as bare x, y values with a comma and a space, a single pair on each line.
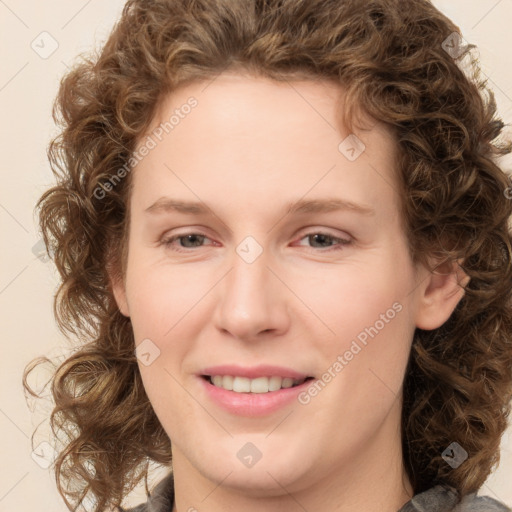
259, 385
252, 391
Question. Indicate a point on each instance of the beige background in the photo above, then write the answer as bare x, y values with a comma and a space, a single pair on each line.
28, 83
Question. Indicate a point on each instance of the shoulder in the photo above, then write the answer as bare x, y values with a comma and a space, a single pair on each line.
473, 503
439, 499
442, 498
161, 499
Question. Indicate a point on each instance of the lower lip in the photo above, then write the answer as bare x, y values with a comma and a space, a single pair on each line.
253, 404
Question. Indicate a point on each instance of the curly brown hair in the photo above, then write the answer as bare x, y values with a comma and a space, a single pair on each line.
402, 67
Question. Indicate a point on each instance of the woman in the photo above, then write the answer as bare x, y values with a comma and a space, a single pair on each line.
282, 232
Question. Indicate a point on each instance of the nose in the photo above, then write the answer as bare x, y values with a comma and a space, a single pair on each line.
253, 302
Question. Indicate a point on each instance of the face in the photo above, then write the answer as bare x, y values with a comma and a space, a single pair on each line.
291, 269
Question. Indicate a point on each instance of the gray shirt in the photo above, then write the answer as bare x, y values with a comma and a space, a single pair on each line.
440, 498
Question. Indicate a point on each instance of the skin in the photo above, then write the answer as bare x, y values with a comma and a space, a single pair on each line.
246, 150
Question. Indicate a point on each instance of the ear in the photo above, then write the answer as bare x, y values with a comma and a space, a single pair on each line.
439, 294
119, 290
118, 287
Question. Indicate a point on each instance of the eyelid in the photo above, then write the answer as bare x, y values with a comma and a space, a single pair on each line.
315, 230
342, 240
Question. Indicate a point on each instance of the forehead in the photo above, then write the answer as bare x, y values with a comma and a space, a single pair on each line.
257, 137
240, 102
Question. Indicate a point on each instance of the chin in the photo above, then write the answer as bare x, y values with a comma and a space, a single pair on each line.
281, 465
264, 481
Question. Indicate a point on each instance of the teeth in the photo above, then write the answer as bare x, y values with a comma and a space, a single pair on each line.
274, 383
226, 382
258, 385
240, 384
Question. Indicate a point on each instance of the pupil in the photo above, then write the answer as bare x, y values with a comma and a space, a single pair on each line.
188, 237
324, 238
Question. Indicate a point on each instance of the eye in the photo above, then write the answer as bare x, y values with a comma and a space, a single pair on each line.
194, 239
323, 238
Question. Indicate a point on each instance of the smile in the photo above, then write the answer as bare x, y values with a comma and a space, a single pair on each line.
257, 385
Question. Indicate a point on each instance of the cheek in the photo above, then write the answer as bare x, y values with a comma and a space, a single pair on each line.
355, 298
161, 298
368, 310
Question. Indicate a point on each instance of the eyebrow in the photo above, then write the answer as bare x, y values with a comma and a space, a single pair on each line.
167, 204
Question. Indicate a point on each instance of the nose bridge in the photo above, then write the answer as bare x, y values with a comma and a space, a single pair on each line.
250, 301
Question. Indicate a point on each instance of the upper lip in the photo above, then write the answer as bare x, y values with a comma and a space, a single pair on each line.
253, 372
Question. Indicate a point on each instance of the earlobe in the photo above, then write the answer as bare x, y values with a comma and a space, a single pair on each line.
439, 295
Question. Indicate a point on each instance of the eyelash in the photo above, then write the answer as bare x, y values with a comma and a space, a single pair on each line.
342, 242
